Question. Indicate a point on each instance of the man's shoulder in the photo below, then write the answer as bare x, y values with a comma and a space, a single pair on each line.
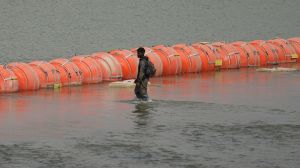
144, 59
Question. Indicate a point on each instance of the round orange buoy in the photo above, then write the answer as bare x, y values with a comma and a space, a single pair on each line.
269, 51
230, 56
286, 48
154, 58
249, 56
190, 58
295, 42
297, 39
47, 73
207, 54
8, 80
69, 72
27, 77
170, 59
128, 61
111, 68
262, 54
91, 70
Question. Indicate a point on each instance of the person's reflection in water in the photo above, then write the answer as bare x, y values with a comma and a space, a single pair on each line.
142, 111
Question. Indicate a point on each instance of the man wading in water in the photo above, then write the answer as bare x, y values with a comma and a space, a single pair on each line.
146, 70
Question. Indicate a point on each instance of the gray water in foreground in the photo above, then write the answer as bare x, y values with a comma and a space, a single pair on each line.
237, 118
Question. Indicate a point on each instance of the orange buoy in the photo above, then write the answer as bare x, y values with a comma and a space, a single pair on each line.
91, 70
69, 72
111, 68
267, 50
249, 56
190, 58
208, 55
170, 59
297, 39
154, 58
47, 73
262, 54
27, 77
230, 56
128, 61
8, 80
295, 42
285, 50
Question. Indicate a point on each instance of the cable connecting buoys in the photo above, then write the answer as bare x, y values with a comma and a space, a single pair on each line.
249, 56
154, 58
210, 60
111, 68
268, 51
26, 76
48, 75
230, 56
190, 58
170, 59
8, 80
128, 61
91, 70
69, 72
295, 42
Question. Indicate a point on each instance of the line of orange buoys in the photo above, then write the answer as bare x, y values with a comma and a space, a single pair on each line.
168, 60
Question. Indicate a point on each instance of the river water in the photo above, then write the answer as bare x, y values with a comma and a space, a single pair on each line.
40, 29
236, 118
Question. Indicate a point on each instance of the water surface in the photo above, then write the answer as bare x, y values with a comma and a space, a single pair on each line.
46, 30
237, 118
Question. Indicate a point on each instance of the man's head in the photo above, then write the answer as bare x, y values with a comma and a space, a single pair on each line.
140, 52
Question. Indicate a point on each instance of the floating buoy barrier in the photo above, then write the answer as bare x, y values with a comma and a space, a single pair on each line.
111, 68
295, 42
286, 50
48, 75
210, 60
190, 58
276, 69
229, 55
128, 61
171, 61
269, 54
26, 76
249, 56
70, 74
90, 69
121, 64
8, 80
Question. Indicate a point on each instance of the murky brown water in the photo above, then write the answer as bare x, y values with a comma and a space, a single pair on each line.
239, 118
